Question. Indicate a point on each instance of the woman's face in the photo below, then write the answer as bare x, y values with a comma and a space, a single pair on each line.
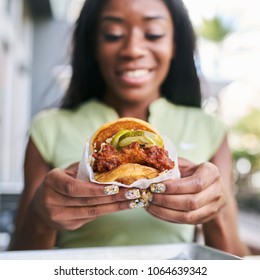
134, 48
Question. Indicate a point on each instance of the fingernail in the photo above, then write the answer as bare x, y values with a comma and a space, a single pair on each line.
132, 194
111, 189
157, 188
138, 203
147, 195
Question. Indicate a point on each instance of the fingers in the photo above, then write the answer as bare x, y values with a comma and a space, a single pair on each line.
88, 212
186, 167
72, 170
65, 184
198, 216
195, 198
188, 202
57, 199
70, 218
65, 202
188, 208
204, 175
63, 190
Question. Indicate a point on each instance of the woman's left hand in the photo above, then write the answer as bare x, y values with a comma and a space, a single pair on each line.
196, 198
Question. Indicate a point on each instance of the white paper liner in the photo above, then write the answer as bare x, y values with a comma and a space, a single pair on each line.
85, 171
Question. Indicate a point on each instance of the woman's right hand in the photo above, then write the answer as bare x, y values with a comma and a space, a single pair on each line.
63, 202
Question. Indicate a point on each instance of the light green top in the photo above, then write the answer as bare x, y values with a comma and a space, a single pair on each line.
60, 136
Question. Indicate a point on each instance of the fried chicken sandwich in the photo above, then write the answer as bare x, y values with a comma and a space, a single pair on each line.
127, 150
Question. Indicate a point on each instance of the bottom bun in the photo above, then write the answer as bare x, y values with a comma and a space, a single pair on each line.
127, 174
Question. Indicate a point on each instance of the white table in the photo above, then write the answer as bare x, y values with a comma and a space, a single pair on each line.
146, 252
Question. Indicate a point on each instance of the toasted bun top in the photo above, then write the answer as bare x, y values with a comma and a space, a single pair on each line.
108, 130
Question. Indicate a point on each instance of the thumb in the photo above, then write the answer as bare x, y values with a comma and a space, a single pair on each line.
186, 167
72, 170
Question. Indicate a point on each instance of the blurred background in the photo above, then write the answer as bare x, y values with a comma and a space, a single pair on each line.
34, 71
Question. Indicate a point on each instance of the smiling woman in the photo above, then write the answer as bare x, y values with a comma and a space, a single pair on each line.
180, 83
134, 49
130, 58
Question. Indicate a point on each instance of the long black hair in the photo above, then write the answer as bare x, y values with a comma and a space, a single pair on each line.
181, 85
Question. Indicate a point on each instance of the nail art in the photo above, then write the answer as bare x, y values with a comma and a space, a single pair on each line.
138, 203
132, 194
147, 195
157, 188
111, 189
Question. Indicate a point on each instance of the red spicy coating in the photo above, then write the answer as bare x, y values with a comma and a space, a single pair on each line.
109, 157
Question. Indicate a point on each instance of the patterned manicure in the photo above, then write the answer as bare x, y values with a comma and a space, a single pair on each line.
147, 195
157, 188
138, 203
111, 189
132, 194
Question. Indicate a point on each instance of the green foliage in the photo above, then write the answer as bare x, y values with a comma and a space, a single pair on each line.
247, 130
250, 123
214, 29
254, 160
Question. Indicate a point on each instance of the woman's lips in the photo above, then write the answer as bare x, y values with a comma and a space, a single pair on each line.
135, 77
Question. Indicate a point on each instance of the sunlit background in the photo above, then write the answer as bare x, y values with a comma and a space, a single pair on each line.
34, 70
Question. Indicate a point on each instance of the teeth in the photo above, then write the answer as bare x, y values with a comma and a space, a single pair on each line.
136, 73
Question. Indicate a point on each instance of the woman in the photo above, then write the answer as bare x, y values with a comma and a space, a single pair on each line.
130, 58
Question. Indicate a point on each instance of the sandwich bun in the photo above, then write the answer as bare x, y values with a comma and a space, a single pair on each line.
127, 173
108, 130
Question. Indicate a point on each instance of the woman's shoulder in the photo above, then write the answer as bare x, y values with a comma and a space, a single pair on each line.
189, 126
198, 118
184, 113
46, 115
88, 116
58, 114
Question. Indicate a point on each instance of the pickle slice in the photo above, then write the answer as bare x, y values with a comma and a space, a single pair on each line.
142, 140
116, 137
141, 136
154, 137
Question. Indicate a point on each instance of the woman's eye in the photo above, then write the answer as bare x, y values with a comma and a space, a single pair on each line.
112, 37
153, 37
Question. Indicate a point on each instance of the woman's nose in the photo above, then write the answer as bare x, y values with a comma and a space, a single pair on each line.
133, 45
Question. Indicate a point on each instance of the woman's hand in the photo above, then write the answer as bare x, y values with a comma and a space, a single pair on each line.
63, 202
53, 200
194, 199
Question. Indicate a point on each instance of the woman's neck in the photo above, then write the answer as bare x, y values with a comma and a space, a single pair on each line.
135, 111
138, 110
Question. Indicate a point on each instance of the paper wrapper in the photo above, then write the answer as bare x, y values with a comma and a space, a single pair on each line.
85, 171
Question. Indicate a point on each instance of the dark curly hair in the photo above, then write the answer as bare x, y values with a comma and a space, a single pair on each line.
181, 86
